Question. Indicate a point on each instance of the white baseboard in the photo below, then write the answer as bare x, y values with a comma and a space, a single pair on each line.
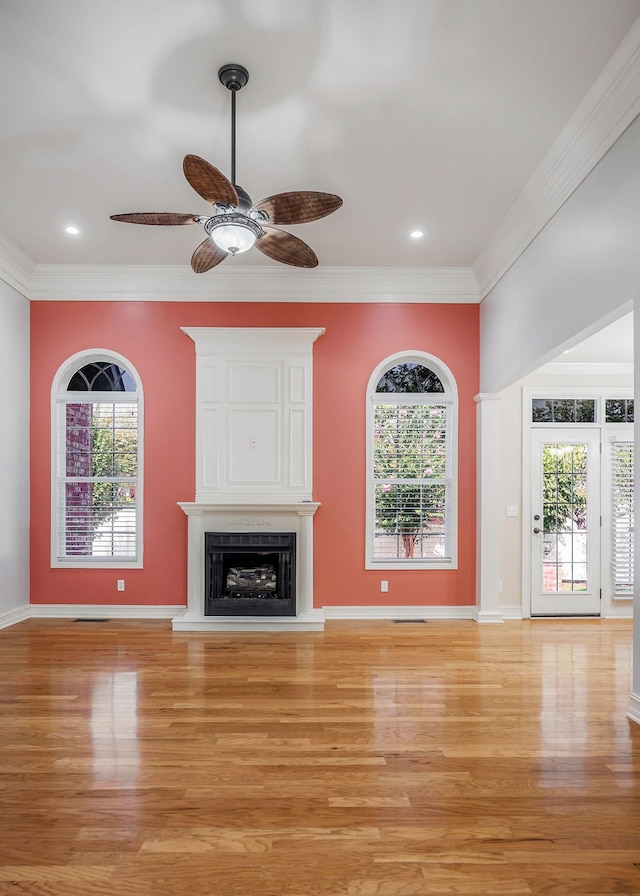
634, 708
11, 617
490, 617
403, 612
101, 611
511, 611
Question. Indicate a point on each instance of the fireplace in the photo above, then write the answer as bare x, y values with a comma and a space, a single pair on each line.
250, 527
253, 521
249, 574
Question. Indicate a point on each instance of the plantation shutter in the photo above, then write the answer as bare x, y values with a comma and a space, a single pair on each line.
97, 494
411, 481
622, 488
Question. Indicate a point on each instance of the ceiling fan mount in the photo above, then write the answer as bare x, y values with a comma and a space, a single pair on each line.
238, 224
233, 76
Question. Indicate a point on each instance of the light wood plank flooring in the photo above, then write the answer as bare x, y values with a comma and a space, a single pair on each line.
374, 759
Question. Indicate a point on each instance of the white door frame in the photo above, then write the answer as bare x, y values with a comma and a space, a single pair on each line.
618, 607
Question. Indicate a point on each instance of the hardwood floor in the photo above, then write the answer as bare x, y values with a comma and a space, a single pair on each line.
374, 759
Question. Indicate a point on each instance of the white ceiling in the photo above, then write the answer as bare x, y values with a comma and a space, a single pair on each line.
419, 113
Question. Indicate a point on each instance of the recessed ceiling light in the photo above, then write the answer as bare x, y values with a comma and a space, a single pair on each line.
72, 230
416, 234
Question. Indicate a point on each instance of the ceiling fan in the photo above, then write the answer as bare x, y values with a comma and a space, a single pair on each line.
238, 224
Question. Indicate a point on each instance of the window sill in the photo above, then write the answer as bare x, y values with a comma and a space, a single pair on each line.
96, 564
410, 564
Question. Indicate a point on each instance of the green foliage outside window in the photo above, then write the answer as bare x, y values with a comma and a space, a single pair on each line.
114, 456
564, 487
409, 471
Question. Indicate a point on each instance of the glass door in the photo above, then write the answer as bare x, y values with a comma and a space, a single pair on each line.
565, 525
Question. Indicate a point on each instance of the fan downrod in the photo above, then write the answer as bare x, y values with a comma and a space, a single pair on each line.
233, 76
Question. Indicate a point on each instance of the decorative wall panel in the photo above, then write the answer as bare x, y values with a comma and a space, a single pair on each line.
253, 413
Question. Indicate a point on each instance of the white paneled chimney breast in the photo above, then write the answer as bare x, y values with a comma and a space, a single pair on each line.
254, 424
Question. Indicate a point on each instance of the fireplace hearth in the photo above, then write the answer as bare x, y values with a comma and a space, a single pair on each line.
250, 574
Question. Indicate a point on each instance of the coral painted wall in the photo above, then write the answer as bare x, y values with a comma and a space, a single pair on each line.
357, 338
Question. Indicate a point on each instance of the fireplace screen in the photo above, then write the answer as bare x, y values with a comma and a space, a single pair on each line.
250, 574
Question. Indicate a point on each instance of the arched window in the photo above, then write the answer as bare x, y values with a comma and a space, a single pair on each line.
412, 416
97, 442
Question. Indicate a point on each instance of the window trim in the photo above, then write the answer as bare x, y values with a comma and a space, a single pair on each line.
58, 395
449, 396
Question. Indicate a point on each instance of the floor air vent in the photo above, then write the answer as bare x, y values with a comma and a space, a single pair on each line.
409, 620
90, 620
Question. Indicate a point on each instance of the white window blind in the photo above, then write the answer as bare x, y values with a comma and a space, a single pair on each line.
622, 487
98, 475
411, 481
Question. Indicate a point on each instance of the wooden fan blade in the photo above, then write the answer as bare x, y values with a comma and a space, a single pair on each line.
298, 207
208, 182
206, 256
155, 218
285, 247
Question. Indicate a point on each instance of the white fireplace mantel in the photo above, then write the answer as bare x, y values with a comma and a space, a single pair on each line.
236, 517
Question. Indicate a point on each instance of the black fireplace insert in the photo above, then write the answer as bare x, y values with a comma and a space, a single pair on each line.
250, 574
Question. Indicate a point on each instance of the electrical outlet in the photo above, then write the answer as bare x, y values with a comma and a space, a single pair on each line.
384, 585
120, 584
512, 510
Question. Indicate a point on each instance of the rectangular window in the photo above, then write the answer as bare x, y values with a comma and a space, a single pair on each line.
411, 482
97, 480
563, 410
619, 410
622, 516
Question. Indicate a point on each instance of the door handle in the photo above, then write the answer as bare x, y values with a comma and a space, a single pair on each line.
536, 531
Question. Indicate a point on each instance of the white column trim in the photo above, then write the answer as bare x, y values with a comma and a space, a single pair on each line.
487, 607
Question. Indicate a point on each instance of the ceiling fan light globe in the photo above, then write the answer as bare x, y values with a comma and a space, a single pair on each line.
233, 233
233, 238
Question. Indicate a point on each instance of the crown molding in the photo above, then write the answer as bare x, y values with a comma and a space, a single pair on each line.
178, 283
606, 112
16, 268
